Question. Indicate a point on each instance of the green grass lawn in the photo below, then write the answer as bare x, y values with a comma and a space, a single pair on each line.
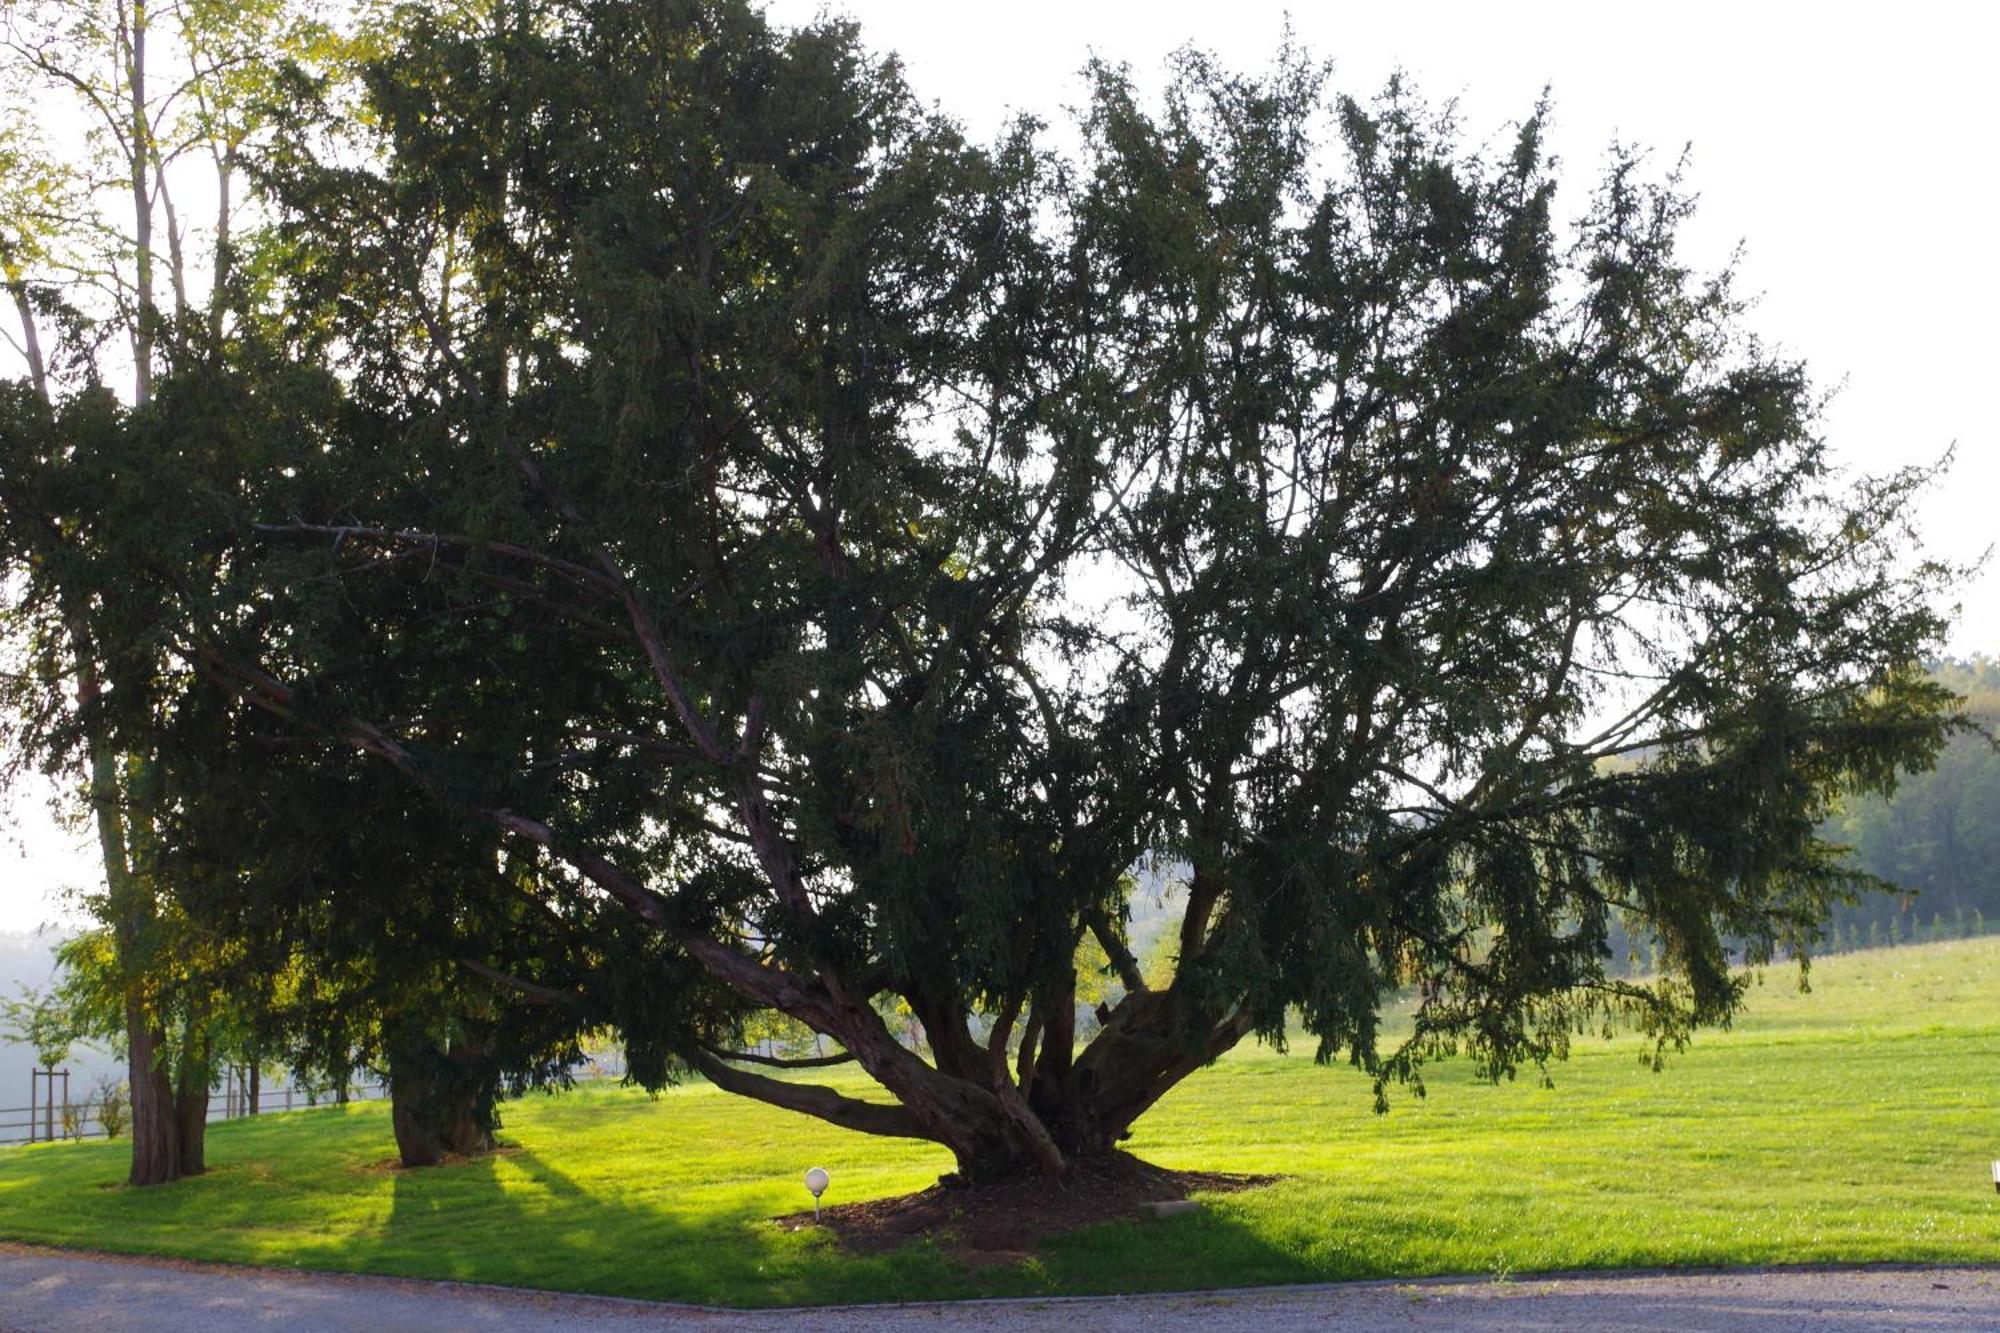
1855, 1123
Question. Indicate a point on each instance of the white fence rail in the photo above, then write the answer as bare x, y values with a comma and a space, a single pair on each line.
56, 1115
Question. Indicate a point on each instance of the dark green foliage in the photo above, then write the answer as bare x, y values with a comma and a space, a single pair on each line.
833, 555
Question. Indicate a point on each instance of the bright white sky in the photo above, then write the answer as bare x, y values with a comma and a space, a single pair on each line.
1850, 149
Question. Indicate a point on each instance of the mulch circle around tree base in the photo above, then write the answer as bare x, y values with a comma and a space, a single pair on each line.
986, 1224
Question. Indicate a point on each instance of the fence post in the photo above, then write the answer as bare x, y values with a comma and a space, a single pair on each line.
79, 1126
34, 1083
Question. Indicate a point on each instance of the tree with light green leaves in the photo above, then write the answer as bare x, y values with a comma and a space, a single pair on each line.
120, 184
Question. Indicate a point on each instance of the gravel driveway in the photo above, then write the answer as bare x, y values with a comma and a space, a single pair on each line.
43, 1291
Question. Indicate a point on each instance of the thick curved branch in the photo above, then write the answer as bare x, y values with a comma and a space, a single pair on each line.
780, 1062
809, 1099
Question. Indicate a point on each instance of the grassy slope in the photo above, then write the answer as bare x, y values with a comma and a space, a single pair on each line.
1854, 1123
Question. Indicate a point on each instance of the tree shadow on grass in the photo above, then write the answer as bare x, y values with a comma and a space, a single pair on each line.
516, 1219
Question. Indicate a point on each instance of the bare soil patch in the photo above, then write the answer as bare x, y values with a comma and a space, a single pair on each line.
1001, 1224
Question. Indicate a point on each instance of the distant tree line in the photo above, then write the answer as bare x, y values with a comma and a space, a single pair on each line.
1926, 857
1936, 842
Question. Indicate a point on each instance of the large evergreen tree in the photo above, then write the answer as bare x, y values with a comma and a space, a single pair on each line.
841, 553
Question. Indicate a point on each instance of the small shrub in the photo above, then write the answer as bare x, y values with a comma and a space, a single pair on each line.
111, 1107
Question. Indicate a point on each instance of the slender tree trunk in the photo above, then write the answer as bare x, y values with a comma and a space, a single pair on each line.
191, 1119
225, 255
139, 148
156, 1157
254, 1085
191, 1087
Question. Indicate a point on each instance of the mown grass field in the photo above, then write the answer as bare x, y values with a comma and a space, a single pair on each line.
1852, 1124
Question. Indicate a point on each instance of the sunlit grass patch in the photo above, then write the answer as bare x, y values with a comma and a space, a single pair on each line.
1855, 1123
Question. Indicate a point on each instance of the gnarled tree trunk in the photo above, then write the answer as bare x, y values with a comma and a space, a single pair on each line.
440, 1102
1006, 1112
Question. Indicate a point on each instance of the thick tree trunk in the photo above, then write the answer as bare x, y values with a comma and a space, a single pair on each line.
419, 1135
468, 1125
440, 1103
430, 1124
156, 1140
1084, 1103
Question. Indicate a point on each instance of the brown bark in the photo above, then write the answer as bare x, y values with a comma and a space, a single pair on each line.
810, 1099
156, 1144
429, 1124
419, 1140
440, 1103
156, 1138
191, 1117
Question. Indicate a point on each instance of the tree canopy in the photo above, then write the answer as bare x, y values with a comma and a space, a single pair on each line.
825, 557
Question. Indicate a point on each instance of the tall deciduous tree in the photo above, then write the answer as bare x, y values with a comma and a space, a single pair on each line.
843, 552
116, 110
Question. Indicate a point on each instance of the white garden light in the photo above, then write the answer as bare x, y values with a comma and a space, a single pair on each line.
817, 1180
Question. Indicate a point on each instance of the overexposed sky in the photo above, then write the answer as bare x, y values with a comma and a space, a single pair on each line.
1850, 150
